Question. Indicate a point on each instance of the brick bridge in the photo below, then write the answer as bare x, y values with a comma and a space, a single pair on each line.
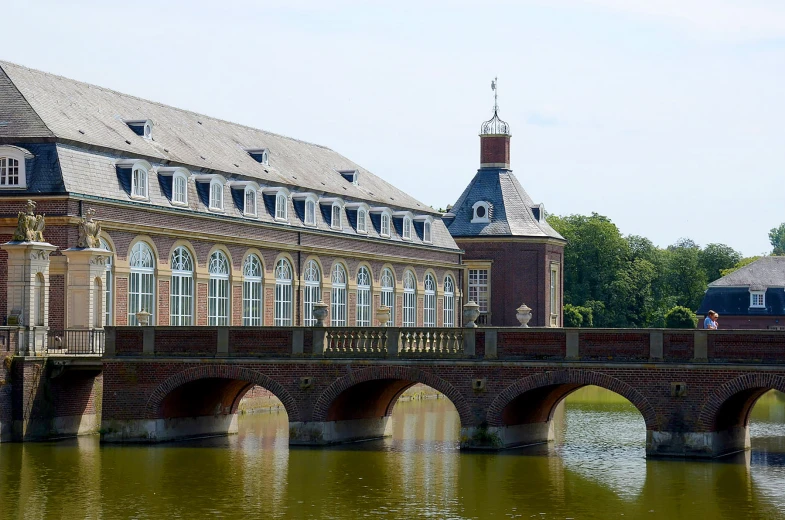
694, 389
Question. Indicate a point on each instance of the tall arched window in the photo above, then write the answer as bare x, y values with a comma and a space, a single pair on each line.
426, 232
216, 196
281, 212
249, 206
310, 212
429, 302
363, 297
218, 293
385, 225
407, 228
252, 291
108, 287
39, 301
409, 300
139, 182
283, 293
362, 227
313, 288
388, 294
98, 300
338, 299
180, 189
449, 302
141, 284
181, 291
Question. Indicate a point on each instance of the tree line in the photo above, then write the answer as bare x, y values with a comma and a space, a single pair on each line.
616, 280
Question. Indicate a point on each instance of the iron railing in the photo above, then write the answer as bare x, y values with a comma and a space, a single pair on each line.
75, 342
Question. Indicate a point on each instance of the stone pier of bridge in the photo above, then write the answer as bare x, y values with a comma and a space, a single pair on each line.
694, 389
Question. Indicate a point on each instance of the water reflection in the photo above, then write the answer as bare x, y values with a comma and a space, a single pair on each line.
596, 469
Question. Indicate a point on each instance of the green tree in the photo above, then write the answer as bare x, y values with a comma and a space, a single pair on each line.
714, 258
684, 277
741, 263
632, 298
681, 318
572, 318
777, 239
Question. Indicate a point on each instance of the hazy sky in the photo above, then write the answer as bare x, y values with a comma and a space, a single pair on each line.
664, 115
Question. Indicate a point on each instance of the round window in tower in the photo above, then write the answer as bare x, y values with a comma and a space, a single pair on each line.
480, 211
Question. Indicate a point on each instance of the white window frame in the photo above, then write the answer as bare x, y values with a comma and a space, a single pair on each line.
216, 197
406, 228
554, 290
429, 301
109, 286
8, 153
218, 297
409, 299
312, 291
181, 288
253, 290
310, 212
362, 221
338, 296
179, 201
481, 220
140, 182
479, 284
427, 232
387, 284
385, 225
141, 282
336, 211
449, 302
250, 191
281, 207
754, 296
364, 297
283, 293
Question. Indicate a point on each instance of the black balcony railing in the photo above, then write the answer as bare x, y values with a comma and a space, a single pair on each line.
75, 342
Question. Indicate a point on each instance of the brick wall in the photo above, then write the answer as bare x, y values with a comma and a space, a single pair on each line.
57, 301
495, 150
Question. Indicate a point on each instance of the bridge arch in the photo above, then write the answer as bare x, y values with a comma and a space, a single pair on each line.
730, 405
376, 390
237, 381
548, 389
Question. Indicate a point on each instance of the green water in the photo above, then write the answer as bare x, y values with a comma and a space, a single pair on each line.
596, 469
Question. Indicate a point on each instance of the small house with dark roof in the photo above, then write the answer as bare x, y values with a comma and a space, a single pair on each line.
752, 297
512, 255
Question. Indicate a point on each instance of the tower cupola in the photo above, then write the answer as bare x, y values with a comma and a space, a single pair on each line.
495, 138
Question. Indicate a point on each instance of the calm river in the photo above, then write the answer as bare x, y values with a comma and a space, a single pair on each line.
596, 469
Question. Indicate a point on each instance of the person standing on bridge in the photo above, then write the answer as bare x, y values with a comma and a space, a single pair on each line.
710, 321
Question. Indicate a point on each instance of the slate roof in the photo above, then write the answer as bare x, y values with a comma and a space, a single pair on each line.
513, 211
765, 272
735, 301
87, 124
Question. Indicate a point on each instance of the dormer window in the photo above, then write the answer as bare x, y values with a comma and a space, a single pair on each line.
179, 189
350, 175
139, 182
249, 201
758, 299
12, 167
141, 127
426, 232
281, 212
277, 202
216, 195
260, 155
310, 212
407, 228
385, 231
481, 212
335, 221
362, 216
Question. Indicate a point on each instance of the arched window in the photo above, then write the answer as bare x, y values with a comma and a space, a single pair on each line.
98, 300
310, 212
429, 302
139, 182
409, 300
338, 297
108, 287
363, 297
313, 288
249, 208
283, 293
426, 232
281, 212
252, 291
9, 171
449, 302
481, 212
216, 196
407, 228
388, 294
181, 290
336, 222
141, 284
180, 189
218, 292
385, 225
39, 301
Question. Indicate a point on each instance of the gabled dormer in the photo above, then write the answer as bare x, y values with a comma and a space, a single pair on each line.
352, 176
141, 127
260, 155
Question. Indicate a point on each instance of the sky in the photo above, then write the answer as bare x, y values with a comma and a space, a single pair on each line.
664, 115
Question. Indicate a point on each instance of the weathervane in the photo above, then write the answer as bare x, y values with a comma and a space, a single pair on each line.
495, 82
495, 126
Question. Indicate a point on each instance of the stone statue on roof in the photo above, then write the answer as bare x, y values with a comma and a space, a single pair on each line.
29, 226
89, 231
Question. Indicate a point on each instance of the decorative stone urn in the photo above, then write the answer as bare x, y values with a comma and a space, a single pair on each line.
320, 312
524, 314
143, 317
383, 315
471, 311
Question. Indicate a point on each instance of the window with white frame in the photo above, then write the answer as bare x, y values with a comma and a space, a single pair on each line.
39, 300
141, 283
216, 196
335, 221
449, 302
409, 300
426, 232
313, 290
9, 172
362, 226
139, 182
283, 293
387, 283
179, 189
338, 297
554, 290
218, 290
181, 289
478, 290
310, 212
481, 212
281, 212
252, 291
429, 301
363, 297
249, 205
108, 287
758, 299
407, 228
385, 225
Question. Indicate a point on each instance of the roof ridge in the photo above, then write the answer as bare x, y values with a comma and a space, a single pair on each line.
158, 103
11, 81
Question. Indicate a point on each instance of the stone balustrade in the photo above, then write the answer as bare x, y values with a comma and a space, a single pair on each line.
489, 343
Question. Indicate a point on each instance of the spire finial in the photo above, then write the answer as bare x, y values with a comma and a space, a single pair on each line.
495, 126
494, 84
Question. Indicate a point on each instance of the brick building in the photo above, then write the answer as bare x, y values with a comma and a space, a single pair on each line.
207, 222
512, 255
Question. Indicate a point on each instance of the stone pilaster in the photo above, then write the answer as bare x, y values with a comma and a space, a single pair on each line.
85, 288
